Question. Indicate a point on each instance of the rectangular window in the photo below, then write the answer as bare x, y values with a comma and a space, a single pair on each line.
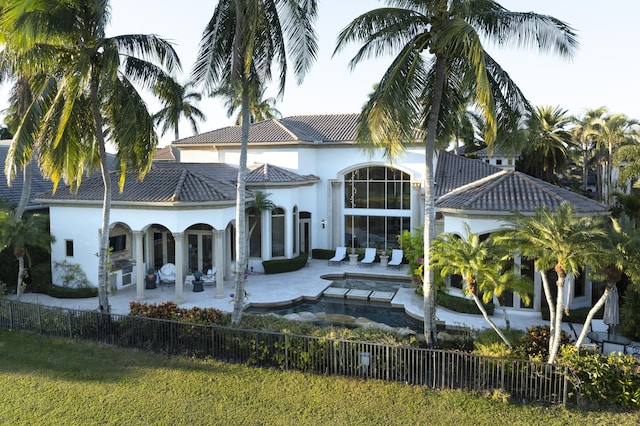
69, 247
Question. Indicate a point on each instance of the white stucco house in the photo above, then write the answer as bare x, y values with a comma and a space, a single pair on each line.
327, 190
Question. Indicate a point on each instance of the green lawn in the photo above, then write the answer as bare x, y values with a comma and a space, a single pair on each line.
57, 381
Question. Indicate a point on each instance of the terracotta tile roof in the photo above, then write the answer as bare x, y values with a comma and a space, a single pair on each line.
300, 129
514, 191
454, 171
267, 173
160, 185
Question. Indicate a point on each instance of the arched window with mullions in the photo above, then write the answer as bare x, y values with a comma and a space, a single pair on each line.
377, 206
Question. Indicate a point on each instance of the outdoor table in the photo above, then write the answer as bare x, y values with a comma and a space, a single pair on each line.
602, 337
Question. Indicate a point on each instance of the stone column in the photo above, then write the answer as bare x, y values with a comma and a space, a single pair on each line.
140, 265
179, 240
219, 260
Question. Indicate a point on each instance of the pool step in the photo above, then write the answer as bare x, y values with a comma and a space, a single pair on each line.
376, 296
358, 294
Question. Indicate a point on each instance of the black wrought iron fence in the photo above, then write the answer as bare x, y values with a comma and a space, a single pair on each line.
437, 369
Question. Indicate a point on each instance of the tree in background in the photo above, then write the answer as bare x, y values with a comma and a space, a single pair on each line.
584, 132
260, 108
545, 156
178, 102
440, 63
237, 49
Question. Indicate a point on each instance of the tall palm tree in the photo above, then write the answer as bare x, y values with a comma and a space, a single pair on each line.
481, 266
560, 241
237, 49
546, 154
260, 108
614, 131
584, 133
22, 233
178, 101
417, 93
87, 97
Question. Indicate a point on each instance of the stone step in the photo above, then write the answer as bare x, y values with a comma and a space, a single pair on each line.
336, 292
358, 294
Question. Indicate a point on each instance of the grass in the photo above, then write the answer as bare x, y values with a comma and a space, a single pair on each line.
50, 381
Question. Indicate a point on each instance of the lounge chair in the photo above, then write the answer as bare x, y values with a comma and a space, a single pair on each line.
341, 253
369, 256
396, 258
167, 274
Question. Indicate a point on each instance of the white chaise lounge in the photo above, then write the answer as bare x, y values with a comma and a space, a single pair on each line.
369, 256
396, 258
341, 253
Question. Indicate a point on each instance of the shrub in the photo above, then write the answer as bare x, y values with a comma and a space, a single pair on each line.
322, 254
462, 305
285, 265
613, 378
630, 313
576, 316
534, 344
70, 293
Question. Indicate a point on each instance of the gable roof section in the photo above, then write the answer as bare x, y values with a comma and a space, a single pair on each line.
160, 185
267, 173
454, 171
515, 191
295, 129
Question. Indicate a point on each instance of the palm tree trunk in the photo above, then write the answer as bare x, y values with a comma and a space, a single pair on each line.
592, 313
26, 191
20, 276
491, 323
507, 323
241, 241
556, 336
103, 258
585, 170
429, 289
552, 309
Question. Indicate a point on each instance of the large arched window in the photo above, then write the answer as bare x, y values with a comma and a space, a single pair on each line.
377, 206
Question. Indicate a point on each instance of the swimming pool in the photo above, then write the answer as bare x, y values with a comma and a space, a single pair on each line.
345, 308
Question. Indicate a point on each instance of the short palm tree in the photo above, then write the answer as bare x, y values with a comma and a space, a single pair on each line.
558, 240
481, 266
86, 96
260, 203
21, 234
439, 61
178, 101
237, 50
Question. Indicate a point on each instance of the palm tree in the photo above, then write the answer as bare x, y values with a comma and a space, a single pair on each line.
86, 97
546, 154
557, 240
22, 233
584, 133
614, 131
237, 49
416, 94
178, 101
481, 266
260, 108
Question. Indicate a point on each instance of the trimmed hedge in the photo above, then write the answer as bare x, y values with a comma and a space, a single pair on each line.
322, 254
71, 293
285, 265
462, 305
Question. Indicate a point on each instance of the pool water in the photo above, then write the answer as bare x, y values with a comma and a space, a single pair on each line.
375, 311
380, 312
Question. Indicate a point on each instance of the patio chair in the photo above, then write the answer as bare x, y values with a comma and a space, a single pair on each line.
396, 258
167, 274
341, 253
369, 256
